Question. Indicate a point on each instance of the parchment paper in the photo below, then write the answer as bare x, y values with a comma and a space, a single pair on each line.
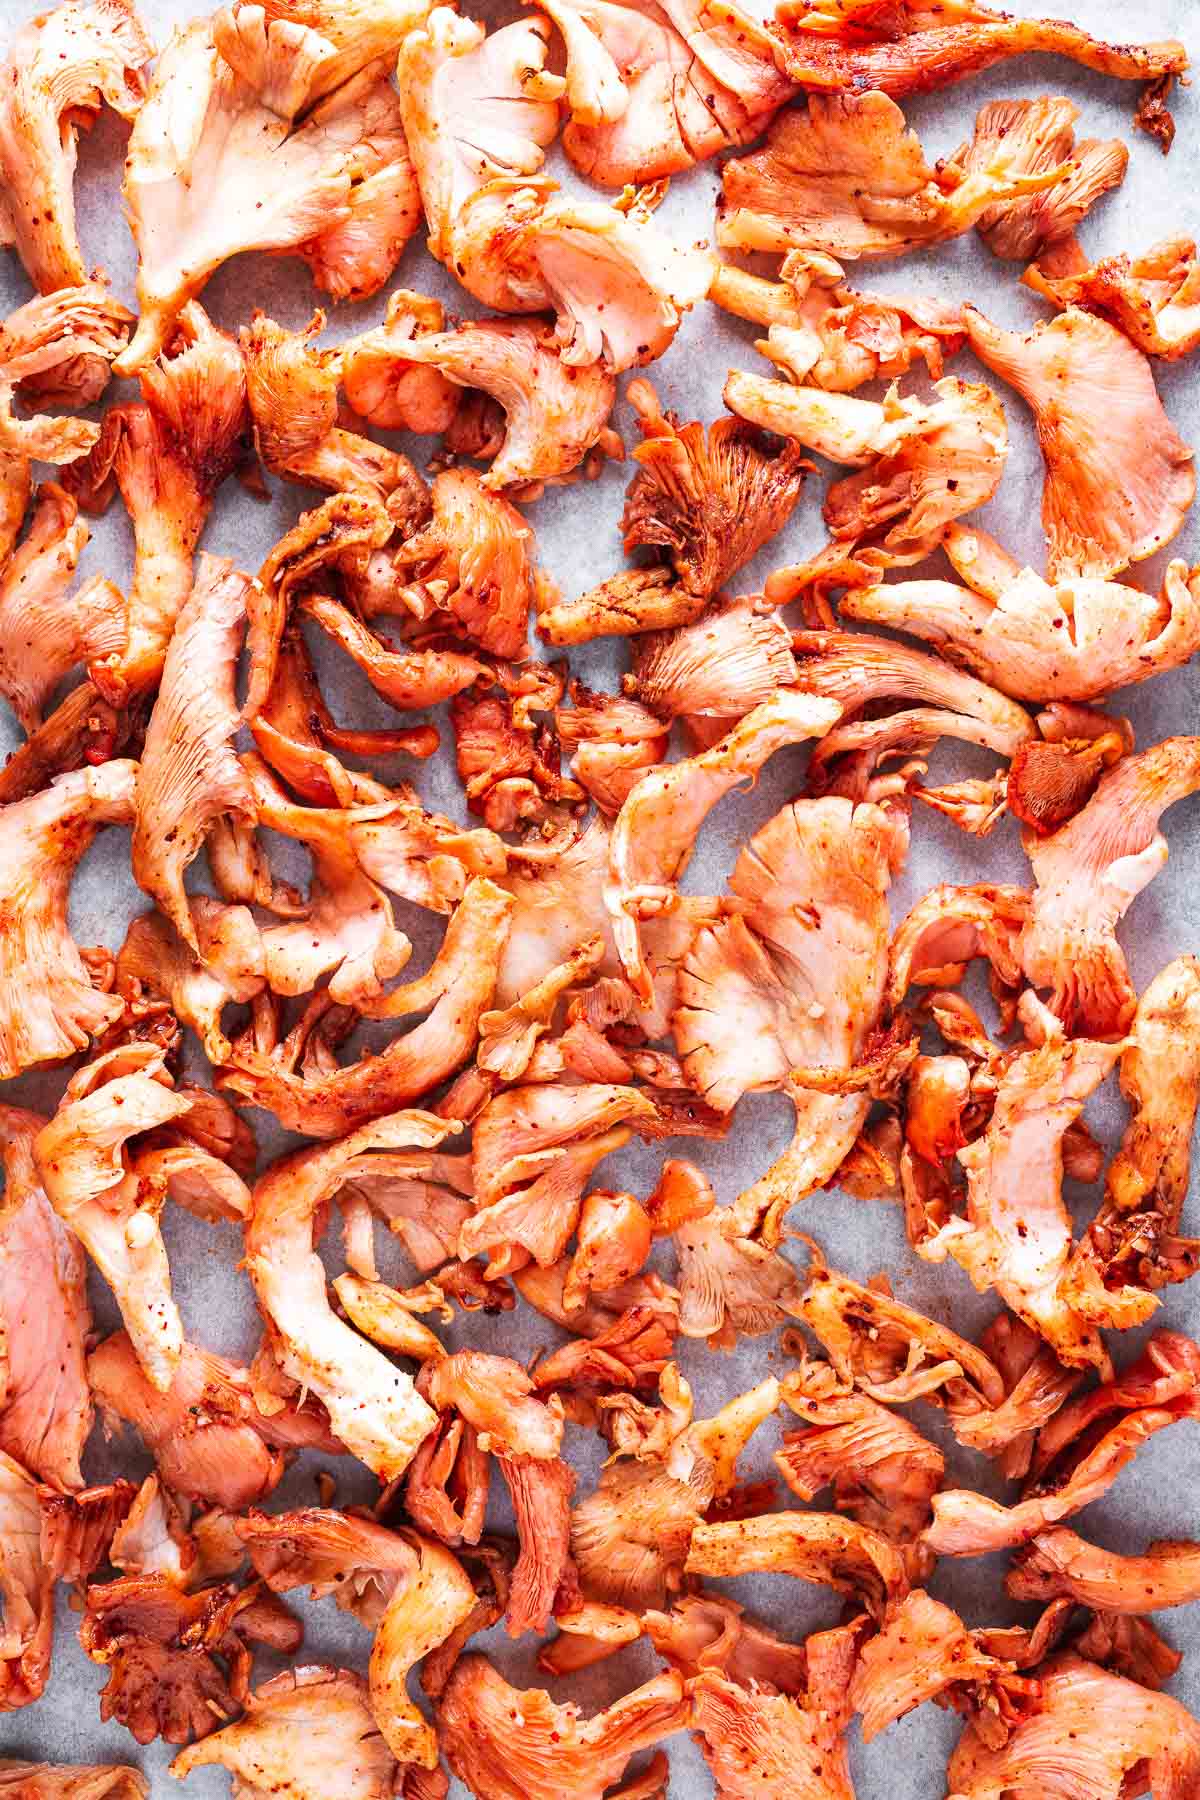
579, 543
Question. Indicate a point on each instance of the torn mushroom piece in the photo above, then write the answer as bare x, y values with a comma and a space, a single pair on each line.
615, 741
71, 1781
1080, 1453
730, 1286
46, 630
844, 177
309, 1731
50, 1007
630, 1537
210, 1440
894, 1353
921, 465
822, 1548
732, 658
759, 1744
394, 391
709, 500
473, 564
544, 1578
1133, 1246
653, 836
950, 928
346, 930
652, 93
794, 980
189, 775
409, 1591
62, 68
618, 284
1035, 135
555, 409
1017, 1234
292, 389
1060, 1564
300, 1081
45, 1319
1076, 639
426, 1610
1103, 433
373, 1406
478, 110
343, 531
90, 1173
229, 967
1087, 875
57, 348
478, 107
342, 195
1092, 1733
521, 1745
619, 1350
296, 733
833, 336
925, 1652
534, 1148
1155, 298
508, 763
1038, 1386
709, 1631
26, 1590
168, 456
348, 1556
882, 1471
914, 48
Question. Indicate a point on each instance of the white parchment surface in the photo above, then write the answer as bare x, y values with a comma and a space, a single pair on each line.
579, 543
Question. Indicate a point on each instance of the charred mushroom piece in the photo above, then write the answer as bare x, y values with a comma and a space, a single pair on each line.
711, 499
911, 51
